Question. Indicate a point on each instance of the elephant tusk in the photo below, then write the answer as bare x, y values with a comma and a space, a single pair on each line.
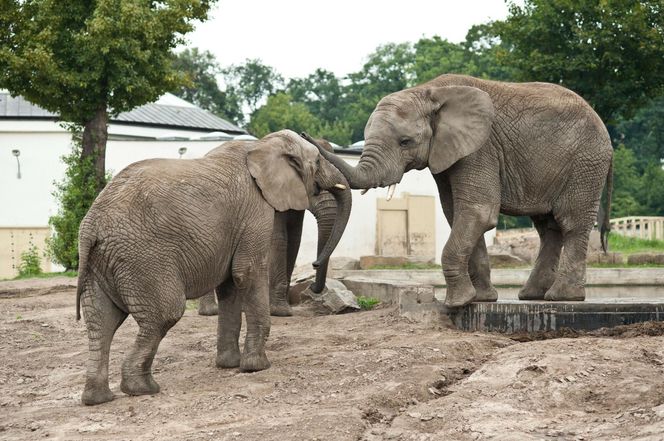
364, 191
390, 191
340, 186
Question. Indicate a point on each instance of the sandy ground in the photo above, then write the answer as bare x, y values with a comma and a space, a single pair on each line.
368, 375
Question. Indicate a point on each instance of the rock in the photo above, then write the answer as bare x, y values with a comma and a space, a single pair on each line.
601, 257
505, 261
296, 289
646, 258
335, 298
343, 263
369, 262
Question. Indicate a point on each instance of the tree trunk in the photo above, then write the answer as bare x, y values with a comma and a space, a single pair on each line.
95, 135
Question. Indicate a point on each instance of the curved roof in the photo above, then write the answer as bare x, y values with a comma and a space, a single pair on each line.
168, 111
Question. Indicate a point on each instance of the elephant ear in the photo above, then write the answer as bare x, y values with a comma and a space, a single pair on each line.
274, 165
461, 120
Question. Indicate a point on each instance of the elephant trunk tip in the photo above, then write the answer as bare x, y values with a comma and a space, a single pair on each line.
316, 264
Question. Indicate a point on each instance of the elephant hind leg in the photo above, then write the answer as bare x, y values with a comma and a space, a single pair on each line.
480, 273
569, 284
544, 271
154, 319
102, 319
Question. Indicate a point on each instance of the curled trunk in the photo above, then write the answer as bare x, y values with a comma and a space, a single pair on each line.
324, 210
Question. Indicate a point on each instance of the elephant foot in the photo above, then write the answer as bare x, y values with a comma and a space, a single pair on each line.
254, 362
139, 385
532, 293
95, 394
485, 294
561, 291
207, 305
459, 294
228, 359
208, 309
281, 309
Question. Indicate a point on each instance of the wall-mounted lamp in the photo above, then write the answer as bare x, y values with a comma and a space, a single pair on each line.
17, 153
182, 151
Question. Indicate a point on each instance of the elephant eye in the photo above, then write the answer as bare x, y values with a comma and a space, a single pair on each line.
404, 142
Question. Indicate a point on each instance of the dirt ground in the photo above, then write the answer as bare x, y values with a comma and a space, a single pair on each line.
362, 376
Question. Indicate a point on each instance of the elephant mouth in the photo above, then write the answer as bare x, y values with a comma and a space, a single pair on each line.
390, 191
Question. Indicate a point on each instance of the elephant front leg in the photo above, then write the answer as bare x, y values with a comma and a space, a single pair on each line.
279, 279
469, 225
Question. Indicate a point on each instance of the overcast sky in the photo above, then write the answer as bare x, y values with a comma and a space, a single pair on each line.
298, 36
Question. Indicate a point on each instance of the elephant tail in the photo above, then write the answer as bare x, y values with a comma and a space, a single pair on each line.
604, 215
85, 244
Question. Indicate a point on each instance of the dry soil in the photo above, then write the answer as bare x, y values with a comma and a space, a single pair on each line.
368, 375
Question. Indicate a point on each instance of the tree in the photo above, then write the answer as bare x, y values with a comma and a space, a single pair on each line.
321, 92
252, 82
388, 69
200, 70
610, 52
644, 134
281, 112
626, 184
87, 60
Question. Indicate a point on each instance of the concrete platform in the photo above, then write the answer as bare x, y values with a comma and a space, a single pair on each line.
613, 297
531, 316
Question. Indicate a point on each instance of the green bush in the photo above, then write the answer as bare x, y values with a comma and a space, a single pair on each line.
30, 262
75, 194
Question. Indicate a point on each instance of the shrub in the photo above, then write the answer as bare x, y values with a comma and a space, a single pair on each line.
30, 262
75, 194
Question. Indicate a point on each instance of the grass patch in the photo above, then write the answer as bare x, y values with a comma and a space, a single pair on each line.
408, 266
46, 275
192, 305
367, 303
631, 245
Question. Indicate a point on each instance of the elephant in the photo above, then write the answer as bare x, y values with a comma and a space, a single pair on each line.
527, 149
149, 243
285, 246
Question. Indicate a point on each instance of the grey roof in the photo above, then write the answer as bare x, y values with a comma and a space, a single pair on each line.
152, 114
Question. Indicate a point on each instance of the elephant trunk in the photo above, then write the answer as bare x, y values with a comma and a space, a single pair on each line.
358, 177
332, 180
325, 211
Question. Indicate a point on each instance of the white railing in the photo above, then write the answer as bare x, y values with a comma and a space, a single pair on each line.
643, 227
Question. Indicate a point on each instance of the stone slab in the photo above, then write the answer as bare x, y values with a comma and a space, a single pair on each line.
514, 277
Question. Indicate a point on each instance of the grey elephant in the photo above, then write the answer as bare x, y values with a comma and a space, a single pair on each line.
287, 233
149, 242
528, 149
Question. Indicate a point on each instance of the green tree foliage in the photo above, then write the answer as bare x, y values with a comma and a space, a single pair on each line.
281, 112
200, 71
85, 60
609, 51
321, 92
388, 69
644, 133
252, 82
626, 184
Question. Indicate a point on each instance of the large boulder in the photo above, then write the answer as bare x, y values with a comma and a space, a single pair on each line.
334, 299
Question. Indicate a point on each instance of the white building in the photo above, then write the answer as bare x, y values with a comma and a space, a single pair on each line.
411, 224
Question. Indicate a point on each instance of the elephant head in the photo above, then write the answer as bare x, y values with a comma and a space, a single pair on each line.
419, 127
290, 173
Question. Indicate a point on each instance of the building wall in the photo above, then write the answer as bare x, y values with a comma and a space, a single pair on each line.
28, 202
